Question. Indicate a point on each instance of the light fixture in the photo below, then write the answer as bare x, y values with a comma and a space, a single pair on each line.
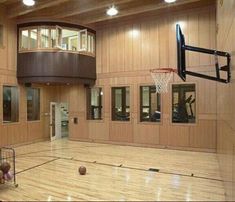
29, 2
112, 11
170, 1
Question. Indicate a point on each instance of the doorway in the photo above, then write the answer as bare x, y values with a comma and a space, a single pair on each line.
59, 122
64, 120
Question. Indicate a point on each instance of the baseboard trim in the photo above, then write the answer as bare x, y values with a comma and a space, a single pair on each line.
145, 145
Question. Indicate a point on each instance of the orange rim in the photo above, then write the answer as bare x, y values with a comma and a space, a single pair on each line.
163, 70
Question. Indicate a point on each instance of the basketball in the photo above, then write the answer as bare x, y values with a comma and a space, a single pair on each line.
5, 167
82, 170
8, 176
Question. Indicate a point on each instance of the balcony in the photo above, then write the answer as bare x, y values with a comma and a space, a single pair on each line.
56, 53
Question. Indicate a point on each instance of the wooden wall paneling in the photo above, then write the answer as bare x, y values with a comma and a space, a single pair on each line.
204, 37
163, 43
128, 47
172, 42
203, 135
225, 98
120, 50
98, 52
193, 39
112, 44
145, 45
136, 35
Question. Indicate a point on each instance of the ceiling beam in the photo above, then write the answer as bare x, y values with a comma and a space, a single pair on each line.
89, 6
20, 9
134, 10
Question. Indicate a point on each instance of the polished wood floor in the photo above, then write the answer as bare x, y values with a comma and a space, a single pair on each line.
48, 171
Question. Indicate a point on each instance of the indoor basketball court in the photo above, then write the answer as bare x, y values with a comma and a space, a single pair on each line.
125, 100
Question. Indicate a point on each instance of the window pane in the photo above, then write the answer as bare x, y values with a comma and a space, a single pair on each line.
183, 103
10, 104
33, 104
33, 38
53, 38
44, 38
145, 97
69, 40
24, 39
121, 104
150, 106
83, 40
94, 103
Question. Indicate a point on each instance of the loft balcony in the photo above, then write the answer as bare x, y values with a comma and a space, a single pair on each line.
56, 53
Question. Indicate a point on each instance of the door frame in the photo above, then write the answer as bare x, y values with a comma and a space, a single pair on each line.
57, 121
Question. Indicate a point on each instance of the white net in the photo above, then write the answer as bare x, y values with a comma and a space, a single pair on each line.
161, 79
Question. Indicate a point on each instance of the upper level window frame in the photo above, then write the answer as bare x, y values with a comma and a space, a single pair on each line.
58, 47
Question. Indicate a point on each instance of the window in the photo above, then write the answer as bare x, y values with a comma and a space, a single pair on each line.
10, 104
94, 103
1, 36
33, 104
121, 104
69, 40
24, 39
90, 43
150, 107
53, 38
183, 103
33, 38
82, 40
44, 33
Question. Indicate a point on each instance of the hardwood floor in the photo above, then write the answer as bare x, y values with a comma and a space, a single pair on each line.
48, 171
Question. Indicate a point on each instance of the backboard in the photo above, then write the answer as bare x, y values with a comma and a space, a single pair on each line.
180, 53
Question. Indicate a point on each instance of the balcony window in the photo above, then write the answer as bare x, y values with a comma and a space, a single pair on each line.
69, 40
33, 38
44, 35
24, 39
56, 37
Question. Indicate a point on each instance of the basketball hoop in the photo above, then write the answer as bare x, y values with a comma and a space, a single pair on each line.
161, 78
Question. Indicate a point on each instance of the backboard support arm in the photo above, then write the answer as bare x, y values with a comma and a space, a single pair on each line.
216, 53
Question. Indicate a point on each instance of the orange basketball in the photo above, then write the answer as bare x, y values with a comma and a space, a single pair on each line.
82, 170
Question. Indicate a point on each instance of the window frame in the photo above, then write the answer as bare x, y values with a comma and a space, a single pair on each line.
140, 106
39, 104
19, 103
196, 104
2, 35
88, 102
58, 46
113, 103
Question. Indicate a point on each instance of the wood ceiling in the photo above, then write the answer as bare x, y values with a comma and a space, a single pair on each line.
88, 12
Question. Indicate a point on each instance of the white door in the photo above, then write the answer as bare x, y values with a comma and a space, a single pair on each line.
55, 121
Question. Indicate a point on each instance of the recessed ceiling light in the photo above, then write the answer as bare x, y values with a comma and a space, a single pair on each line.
29, 2
170, 1
112, 11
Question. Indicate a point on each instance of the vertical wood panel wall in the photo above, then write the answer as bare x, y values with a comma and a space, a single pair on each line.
22, 131
226, 98
126, 50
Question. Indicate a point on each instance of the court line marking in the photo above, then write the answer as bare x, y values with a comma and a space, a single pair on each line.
30, 168
119, 166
